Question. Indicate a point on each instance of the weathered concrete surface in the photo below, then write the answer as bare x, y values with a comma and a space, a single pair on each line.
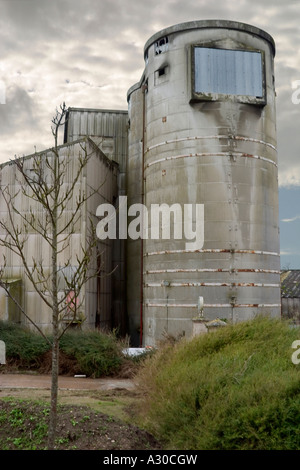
215, 149
2, 352
64, 383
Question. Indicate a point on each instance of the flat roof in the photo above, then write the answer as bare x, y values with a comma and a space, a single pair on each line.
59, 147
98, 110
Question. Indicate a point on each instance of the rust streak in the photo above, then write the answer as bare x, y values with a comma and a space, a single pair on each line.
209, 154
212, 250
233, 137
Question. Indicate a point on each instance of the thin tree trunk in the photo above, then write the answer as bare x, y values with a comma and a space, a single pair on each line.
55, 319
54, 395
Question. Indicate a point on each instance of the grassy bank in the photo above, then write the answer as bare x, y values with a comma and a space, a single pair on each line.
236, 388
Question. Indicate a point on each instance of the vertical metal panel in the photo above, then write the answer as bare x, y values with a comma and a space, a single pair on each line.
234, 72
134, 194
291, 309
100, 125
108, 129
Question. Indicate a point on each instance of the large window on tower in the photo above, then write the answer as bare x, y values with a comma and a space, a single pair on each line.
220, 74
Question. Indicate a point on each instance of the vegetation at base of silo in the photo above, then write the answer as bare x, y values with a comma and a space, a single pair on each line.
233, 389
96, 353
92, 352
23, 347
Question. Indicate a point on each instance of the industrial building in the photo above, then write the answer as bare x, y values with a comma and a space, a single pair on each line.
100, 173
290, 295
199, 133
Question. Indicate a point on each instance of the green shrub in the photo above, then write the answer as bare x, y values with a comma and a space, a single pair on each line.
23, 346
236, 388
97, 354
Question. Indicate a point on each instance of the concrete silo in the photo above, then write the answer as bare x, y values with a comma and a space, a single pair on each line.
203, 131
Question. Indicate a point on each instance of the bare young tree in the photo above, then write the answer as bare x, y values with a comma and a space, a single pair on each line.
54, 210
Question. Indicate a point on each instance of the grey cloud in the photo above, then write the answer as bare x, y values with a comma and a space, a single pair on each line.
18, 110
20, 123
90, 42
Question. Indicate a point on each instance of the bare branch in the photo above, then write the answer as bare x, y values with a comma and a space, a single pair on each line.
55, 204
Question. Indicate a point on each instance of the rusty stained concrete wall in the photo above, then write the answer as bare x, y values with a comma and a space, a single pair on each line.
99, 172
219, 152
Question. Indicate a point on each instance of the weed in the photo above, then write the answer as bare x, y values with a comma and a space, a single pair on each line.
62, 440
16, 417
85, 418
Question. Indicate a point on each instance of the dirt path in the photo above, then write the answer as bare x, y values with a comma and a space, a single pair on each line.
112, 396
27, 381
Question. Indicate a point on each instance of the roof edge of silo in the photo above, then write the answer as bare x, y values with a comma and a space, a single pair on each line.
136, 86
202, 24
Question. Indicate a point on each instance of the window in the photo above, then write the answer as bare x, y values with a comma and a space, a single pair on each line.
161, 75
238, 73
161, 45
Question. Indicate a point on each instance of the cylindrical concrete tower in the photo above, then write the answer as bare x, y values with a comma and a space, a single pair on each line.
202, 142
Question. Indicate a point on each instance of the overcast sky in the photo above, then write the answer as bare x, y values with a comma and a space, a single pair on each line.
89, 53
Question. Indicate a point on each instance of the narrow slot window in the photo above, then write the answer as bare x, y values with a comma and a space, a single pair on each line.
161, 75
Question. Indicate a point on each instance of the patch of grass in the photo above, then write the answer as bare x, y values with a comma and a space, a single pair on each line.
236, 388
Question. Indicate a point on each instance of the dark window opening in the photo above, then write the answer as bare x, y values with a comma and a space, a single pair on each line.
161, 45
161, 75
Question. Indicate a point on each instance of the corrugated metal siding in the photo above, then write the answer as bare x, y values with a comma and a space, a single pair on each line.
290, 309
36, 247
290, 284
103, 175
231, 72
290, 295
108, 128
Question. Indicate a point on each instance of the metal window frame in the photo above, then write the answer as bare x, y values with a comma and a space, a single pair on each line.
207, 97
